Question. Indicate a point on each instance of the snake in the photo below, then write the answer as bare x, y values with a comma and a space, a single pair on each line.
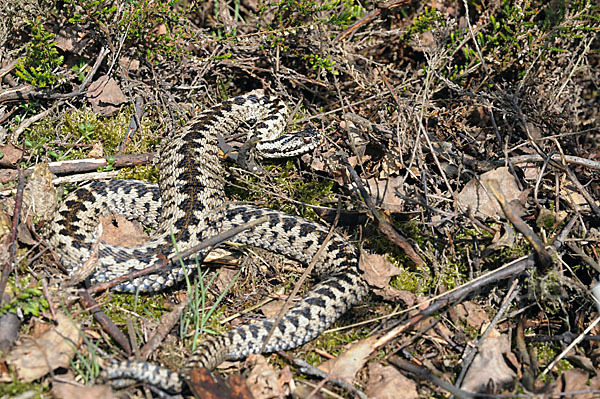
187, 206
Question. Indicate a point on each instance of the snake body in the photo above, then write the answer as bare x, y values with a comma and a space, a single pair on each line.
188, 206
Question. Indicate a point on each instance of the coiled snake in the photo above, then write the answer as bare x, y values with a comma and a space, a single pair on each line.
188, 206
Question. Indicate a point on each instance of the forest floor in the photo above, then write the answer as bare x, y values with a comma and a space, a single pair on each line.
458, 151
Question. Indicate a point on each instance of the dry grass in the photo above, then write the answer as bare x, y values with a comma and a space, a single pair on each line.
423, 97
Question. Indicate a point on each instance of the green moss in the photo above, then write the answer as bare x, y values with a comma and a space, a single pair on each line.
546, 353
121, 306
334, 343
290, 184
79, 130
15, 388
146, 173
213, 325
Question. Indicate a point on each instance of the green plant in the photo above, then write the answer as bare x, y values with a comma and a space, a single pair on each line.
196, 316
41, 58
322, 63
84, 363
80, 70
86, 129
424, 22
29, 302
153, 28
293, 13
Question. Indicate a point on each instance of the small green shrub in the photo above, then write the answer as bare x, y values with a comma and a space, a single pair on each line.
293, 13
41, 58
153, 28
29, 301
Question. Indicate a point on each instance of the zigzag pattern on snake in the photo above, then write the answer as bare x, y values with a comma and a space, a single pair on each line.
189, 206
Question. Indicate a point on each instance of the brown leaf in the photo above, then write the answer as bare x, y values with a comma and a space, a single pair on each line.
24, 235
574, 197
262, 380
224, 278
129, 64
9, 155
349, 362
571, 381
392, 294
286, 381
480, 198
5, 237
117, 230
105, 96
506, 240
70, 39
469, 312
272, 308
383, 192
36, 357
9, 330
377, 269
39, 196
97, 150
386, 382
63, 390
207, 386
489, 365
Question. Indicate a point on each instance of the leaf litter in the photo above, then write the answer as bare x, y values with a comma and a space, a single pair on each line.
425, 121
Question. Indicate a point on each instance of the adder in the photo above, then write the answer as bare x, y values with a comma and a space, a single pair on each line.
188, 206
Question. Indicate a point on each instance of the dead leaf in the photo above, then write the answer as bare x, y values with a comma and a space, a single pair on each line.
262, 380
224, 278
63, 390
272, 308
507, 240
572, 381
423, 42
10, 155
489, 365
129, 64
24, 235
9, 330
383, 192
531, 171
386, 382
349, 362
160, 30
378, 272
5, 237
479, 198
286, 381
204, 384
469, 312
97, 150
377, 269
574, 197
36, 357
105, 96
392, 294
117, 230
70, 39
39, 196
581, 362
223, 257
